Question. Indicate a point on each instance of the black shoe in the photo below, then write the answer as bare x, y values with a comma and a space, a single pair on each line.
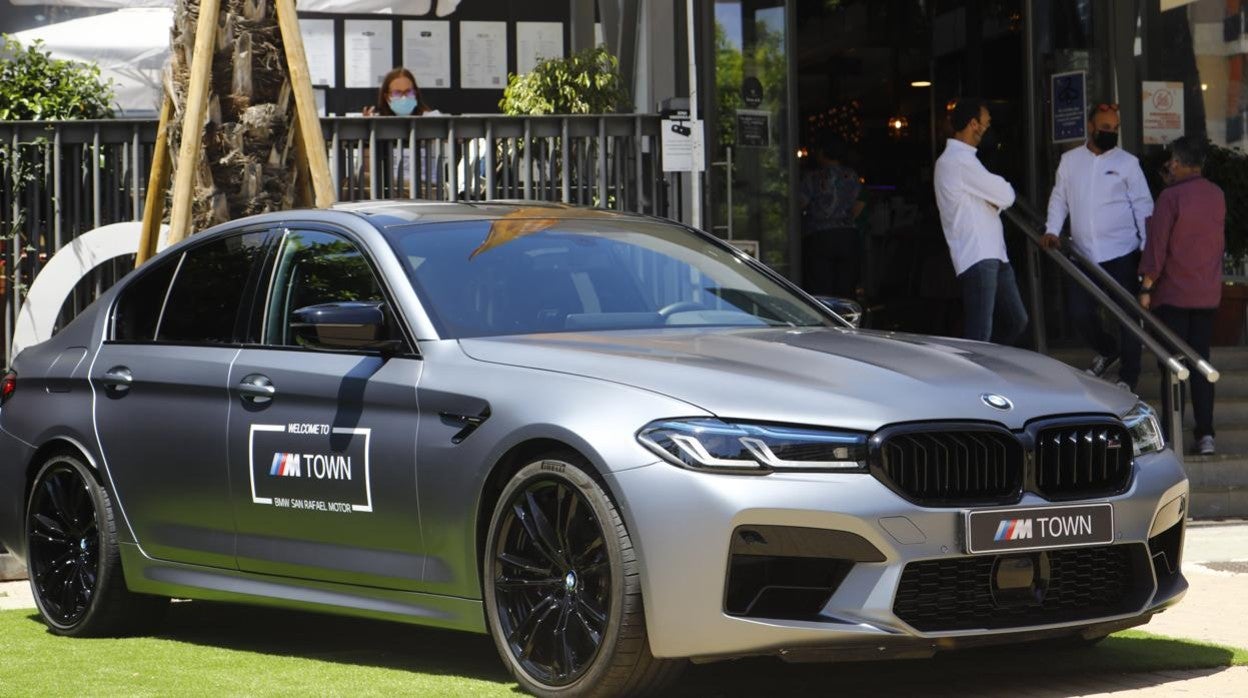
1101, 364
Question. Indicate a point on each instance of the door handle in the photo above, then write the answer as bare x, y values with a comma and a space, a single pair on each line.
118, 379
257, 389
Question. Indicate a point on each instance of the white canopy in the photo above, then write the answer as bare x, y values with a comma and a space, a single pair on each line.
130, 46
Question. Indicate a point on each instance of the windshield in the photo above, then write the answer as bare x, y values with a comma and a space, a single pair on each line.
529, 275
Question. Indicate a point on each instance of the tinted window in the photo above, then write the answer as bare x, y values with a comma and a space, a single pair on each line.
138, 309
530, 275
208, 290
316, 268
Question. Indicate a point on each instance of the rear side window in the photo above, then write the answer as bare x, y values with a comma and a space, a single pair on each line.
138, 309
208, 290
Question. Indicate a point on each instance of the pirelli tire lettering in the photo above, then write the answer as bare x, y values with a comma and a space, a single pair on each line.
312, 467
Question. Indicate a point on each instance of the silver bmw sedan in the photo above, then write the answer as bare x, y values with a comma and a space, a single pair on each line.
610, 442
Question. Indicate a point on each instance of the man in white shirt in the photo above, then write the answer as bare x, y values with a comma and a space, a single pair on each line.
1102, 189
970, 199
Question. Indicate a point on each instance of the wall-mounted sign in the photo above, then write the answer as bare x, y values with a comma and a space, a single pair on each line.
753, 128
682, 145
751, 92
483, 55
1069, 99
1163, 111
535, 41
427, 52
369, 53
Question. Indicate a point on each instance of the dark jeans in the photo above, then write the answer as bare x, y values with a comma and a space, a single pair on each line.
1082, 310
834, 259
1194, 326
990, 292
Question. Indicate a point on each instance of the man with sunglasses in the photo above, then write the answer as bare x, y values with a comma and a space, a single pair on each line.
1102, 189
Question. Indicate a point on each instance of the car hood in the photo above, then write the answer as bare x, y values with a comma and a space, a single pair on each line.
853, 379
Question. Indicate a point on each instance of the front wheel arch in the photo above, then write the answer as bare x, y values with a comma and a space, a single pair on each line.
501, 473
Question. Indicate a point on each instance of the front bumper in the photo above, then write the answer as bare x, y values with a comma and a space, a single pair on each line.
682, 524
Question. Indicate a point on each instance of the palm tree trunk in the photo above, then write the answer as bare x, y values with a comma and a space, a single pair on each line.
247, 160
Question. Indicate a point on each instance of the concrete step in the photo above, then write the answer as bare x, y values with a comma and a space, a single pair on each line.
1228, 414
1219, 486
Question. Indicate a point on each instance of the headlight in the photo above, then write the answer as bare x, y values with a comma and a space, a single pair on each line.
1145, 430
710, 444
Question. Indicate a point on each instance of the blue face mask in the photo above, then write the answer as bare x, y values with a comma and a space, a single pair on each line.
403, 106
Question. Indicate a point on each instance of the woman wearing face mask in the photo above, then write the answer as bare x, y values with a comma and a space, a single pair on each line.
399, 96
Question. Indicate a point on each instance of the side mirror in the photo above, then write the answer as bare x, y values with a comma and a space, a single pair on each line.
849, 310
346, 325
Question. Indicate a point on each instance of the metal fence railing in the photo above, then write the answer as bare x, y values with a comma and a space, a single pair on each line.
61, 179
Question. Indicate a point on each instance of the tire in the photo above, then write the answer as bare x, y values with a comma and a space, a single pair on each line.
74, 560
562, 590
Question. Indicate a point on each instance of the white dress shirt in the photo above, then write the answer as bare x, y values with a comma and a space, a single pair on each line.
1107, 199
970, 199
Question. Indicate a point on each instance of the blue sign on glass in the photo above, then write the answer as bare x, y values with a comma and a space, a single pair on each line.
1070, 106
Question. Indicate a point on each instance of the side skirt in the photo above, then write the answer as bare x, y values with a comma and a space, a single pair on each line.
147, 576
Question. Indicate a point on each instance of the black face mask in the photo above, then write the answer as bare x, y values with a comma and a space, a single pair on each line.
1105, 140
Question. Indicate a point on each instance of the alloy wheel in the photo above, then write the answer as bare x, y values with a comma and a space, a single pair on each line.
552, 581
64, 539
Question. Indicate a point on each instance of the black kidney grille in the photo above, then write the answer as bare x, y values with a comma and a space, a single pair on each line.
1084, 583
939, 467
1083, 460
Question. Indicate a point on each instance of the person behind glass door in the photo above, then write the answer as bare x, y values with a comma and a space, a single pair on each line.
399, 96
1102, 189
970, 200
1181, 268
829, 196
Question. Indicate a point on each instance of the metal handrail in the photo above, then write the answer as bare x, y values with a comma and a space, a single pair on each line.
1128, 312
1125, 302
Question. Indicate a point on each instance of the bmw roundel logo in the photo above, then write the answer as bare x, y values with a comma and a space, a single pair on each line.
997, 401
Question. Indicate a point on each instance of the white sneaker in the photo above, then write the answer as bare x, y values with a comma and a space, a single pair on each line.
1204, 446
1124, 386
1101, 364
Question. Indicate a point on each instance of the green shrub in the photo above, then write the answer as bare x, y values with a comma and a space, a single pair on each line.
36, 87
587, 82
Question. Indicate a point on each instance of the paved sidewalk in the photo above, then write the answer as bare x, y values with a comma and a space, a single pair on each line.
15, 595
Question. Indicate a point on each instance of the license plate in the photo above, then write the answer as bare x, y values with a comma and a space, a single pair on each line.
1039, 528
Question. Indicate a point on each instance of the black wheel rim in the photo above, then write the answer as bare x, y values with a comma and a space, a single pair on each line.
552, 581
64, 541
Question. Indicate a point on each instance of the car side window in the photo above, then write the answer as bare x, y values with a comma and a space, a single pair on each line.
208, 290
138, 308
316, 268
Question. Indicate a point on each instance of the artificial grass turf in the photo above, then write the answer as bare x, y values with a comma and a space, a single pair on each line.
223, 649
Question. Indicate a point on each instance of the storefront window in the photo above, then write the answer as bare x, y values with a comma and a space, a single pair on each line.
751, 104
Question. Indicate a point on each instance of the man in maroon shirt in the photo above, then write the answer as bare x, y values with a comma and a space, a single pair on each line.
1181, 269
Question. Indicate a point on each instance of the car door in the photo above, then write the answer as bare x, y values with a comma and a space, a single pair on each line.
160, 397
323, 437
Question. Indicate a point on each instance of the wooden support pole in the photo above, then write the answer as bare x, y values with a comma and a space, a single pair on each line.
309, 122
193, 119
304, 196
157, 183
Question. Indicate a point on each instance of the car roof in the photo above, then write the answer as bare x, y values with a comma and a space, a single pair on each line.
384, 214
